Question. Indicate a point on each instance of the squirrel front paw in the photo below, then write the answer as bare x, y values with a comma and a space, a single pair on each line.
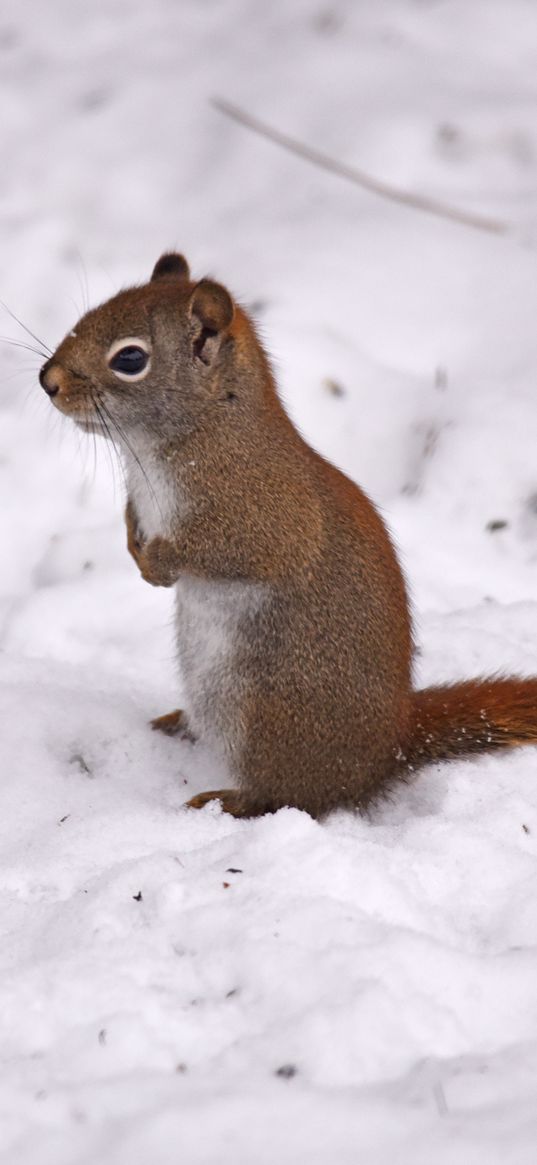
135, 540
158, 562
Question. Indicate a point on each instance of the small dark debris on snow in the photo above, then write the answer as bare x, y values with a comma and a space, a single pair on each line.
287, 1071
93, 99
430, 441
258, 306
233, 870
64, 818
327, 22
230, 994
496, 524
102, 1037
88, 565
181, 1069
78, 759
440, 378
447, 132
9, 38
526, 828
138, 897
333, 386
226, 885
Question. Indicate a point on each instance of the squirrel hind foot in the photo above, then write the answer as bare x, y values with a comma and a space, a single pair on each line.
174, 724
231, 801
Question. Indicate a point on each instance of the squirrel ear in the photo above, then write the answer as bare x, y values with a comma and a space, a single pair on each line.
171, 266
211, 310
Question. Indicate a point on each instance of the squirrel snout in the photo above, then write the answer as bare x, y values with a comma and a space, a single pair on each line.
52, 379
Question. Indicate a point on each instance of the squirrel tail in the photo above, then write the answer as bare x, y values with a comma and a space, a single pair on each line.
470, 717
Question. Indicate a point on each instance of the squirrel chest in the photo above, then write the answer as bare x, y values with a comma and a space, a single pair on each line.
153, 491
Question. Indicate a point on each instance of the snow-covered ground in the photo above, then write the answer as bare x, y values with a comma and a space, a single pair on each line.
182, 987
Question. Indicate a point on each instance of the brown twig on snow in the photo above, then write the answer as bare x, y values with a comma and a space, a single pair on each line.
493, 226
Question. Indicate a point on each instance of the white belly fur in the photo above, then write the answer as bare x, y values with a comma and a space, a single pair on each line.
210, 620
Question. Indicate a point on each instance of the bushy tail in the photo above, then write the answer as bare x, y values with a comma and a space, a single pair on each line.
470, 717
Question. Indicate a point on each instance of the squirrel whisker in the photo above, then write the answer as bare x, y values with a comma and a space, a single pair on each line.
21, 344
123, 437
25, 327
107, 433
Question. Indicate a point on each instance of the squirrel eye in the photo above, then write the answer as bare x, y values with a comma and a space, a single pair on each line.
129, 360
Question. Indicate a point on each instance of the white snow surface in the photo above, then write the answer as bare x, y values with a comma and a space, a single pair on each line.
179, 986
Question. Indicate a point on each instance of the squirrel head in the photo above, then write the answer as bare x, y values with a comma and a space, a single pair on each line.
153, 358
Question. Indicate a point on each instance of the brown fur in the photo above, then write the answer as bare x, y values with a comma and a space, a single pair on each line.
318, 709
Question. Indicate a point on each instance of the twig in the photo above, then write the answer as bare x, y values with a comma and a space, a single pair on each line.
493, 226
440, 1098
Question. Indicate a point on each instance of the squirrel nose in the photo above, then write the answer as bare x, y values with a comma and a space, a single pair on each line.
51, 378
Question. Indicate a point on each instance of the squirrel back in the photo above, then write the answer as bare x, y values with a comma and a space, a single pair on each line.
293, 624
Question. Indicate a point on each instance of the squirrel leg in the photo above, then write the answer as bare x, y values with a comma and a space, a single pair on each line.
174, 724
231, 800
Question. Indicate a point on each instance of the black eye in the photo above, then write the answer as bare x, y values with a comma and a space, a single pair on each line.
130, 360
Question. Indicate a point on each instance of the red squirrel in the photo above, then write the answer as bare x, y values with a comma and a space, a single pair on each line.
292, 620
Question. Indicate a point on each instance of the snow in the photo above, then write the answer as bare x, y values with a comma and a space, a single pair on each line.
182, 986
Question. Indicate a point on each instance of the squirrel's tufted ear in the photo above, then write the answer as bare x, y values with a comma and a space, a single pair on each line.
211, 310
171, 266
